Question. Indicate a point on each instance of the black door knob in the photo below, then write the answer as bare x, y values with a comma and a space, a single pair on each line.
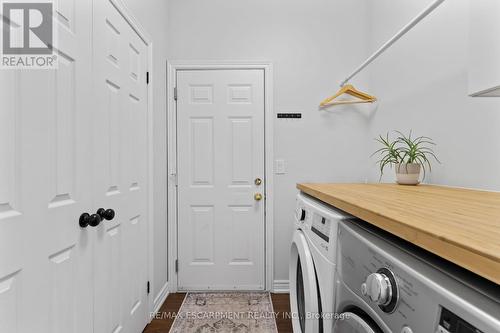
86, 219
106, 214
94, 220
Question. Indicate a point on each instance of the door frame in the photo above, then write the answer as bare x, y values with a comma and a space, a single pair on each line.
172, 216
139, 29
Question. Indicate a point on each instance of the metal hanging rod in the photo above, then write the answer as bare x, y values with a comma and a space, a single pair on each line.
391, 41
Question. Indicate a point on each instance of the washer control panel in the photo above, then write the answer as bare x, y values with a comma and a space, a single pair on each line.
319, 222
451, 323
321, 226
381, 282
406, 292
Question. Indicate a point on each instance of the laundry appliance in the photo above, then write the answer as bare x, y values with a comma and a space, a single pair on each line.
387, 285
312, 265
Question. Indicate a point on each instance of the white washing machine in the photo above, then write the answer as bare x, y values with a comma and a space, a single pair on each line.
387, 285
312, 265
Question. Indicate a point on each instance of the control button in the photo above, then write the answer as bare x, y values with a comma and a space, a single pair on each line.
364, 290
406, 329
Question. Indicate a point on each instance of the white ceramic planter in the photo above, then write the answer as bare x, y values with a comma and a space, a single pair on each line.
408, 173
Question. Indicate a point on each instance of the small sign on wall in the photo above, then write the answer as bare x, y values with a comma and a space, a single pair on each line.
289, 115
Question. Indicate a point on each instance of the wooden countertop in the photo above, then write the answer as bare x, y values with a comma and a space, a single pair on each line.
460, 225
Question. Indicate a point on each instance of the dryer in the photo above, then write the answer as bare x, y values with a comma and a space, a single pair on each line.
312, 265
387, 285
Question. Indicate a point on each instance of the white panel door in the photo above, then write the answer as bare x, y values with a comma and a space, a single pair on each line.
120, 173
45, 257
220, 155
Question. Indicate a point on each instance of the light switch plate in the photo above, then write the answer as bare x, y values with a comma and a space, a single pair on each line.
280, 167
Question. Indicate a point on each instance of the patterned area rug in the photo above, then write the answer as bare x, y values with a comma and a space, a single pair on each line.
237, 312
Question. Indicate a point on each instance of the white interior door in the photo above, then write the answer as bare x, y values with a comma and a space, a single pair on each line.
220, 157
45, 257
120, 172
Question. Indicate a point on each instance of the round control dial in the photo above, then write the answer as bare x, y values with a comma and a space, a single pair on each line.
300, 214
382, 289
378, 288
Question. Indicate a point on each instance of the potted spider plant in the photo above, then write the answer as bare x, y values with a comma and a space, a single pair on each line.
410, 156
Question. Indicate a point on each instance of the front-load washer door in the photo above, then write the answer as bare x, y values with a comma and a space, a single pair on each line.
350, 322
304, 298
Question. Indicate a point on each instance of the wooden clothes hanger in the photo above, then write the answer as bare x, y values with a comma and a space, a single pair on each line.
349, 90
363, 97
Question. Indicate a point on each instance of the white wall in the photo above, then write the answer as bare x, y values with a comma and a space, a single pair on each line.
422, 85
313, 45
152, 15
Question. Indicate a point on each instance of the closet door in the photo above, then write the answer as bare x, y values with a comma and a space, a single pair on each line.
45, 257
120, 167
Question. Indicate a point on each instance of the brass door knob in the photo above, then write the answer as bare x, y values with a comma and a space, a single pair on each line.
258, 181
257, 196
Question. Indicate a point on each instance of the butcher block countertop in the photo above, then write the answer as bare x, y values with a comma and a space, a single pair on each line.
460, 225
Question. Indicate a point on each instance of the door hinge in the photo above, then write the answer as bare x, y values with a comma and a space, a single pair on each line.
175, 93
173, 178
176, 265
147, 77
148, 287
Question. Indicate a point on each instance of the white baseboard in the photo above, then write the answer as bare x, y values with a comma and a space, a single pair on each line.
281, 287
160, 298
